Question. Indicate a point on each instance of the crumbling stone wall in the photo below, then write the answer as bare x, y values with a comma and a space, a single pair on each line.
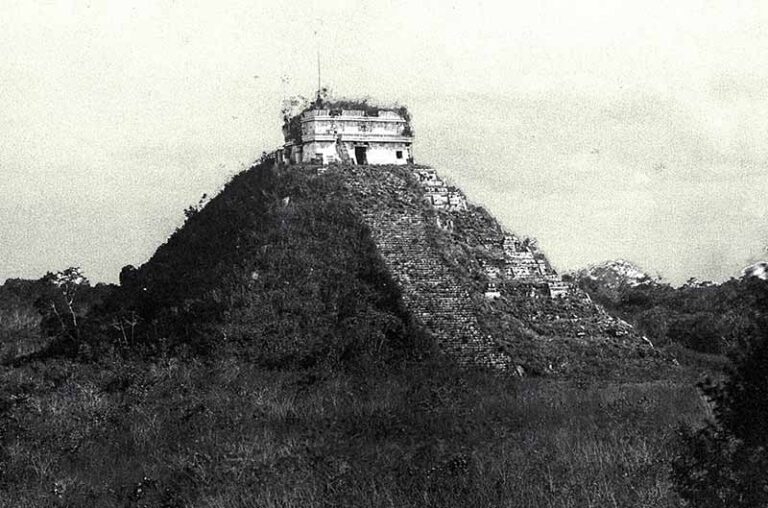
487, 296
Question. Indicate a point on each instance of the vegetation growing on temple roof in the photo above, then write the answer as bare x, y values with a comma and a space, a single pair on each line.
295, 106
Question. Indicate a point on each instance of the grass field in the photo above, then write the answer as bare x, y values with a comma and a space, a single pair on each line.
224, 433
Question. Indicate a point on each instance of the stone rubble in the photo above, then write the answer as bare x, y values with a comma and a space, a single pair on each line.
462, 275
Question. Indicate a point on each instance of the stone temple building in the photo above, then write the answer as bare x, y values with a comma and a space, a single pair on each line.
347, 136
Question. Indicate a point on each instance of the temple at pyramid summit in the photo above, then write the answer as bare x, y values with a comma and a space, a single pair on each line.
487, 296
347, 133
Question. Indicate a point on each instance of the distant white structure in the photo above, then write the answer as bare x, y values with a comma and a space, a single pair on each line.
347, 136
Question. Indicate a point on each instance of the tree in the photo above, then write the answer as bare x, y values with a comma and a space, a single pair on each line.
59, 303
723, 464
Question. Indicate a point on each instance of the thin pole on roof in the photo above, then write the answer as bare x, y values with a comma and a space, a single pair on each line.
317, 45
318, 72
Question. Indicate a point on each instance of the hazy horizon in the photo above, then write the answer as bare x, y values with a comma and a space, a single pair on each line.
619, 130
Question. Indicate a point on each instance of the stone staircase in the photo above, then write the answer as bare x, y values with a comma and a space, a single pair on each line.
342, 152
442, 304
486, 296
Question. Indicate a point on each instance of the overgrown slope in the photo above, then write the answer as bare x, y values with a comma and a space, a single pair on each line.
279, 267
446, 257
303, 265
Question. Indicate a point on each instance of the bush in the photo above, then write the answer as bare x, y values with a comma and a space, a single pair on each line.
723, 464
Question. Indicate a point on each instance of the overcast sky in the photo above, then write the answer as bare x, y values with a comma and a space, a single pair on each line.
619, 129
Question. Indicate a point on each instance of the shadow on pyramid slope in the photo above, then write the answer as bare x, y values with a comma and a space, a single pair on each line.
299, 265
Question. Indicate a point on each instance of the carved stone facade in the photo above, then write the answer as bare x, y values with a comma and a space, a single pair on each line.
522, 260
439, 195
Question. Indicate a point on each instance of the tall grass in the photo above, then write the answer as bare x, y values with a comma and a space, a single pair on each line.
228, 434
19, 331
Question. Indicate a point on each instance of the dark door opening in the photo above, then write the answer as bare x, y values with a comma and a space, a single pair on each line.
360, 155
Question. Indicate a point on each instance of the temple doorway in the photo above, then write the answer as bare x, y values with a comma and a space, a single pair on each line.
360, 155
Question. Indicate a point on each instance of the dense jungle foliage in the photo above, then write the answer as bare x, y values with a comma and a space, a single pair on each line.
704, 317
